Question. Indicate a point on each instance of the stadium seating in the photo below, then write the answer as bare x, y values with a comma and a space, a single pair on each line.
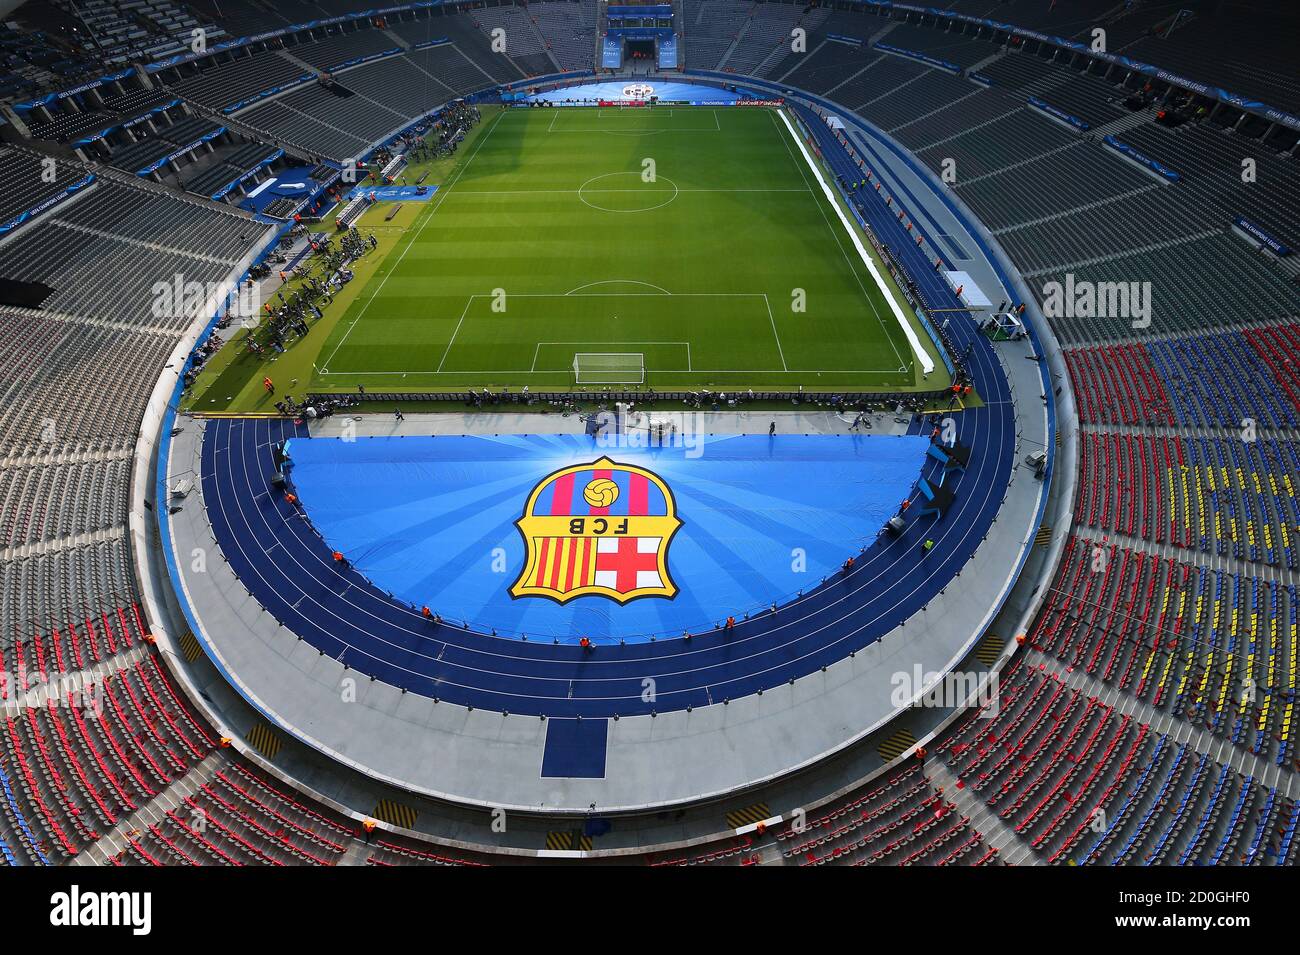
92, 252
1195, 46
26, 188
900, 819
1066, 774
232, 167
333, 50
710, 29
219, 84
323, 123
767, 31
33, 64
524, 45
569, 28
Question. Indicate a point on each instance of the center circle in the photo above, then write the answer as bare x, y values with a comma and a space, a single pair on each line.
615, 192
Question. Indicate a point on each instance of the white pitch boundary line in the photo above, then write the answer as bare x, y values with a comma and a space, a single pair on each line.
767, 304
571, 192
703, 371
442, 194
717, 126
601, 111
775, 334
456, 331
927, 364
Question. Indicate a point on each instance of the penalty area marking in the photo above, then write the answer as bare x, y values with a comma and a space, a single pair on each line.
658, 289
686, 345
600, 111
767, 305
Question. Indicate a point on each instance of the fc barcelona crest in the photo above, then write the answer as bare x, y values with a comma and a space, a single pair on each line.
598, 529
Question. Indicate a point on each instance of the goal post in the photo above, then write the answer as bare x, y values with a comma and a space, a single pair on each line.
609, 368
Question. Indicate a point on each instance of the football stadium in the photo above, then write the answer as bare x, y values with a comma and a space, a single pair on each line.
717, 433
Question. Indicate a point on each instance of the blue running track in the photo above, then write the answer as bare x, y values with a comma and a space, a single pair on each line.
288, 568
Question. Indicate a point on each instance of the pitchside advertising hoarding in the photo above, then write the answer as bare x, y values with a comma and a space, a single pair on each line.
641, 93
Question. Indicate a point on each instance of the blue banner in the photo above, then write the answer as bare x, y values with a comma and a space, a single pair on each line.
668, 53
640, 10
84, 87
636, 91
265, 93
1263, 238
1142, 159
363, 59
224, 190
848, 40
393, 193
920, 57
153, 112
49, 203
611, 52
155, 166
396, 504
103, 133
638, 33
1060, 114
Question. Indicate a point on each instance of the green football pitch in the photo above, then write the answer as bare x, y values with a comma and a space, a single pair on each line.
696, 238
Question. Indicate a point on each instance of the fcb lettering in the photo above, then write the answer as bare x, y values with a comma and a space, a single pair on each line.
599, 529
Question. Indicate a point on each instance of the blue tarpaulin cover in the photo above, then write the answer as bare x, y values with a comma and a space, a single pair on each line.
637, 90
394, 193
432, 519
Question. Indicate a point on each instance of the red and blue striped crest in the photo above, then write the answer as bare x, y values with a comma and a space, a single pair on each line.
599, 529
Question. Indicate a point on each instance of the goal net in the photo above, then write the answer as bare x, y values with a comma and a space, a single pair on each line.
609, 368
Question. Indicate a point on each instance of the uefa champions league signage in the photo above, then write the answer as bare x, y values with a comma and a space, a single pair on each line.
638, 91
